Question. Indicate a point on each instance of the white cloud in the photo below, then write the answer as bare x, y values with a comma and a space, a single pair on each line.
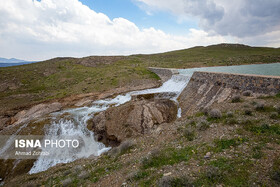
247, 20
35, 30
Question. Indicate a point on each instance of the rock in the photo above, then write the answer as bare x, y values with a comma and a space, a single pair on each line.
83, 102
4, 87
67, 172
66, 182
114, 152
208, 155
132, 119
167, 174
36, 112
248, 93
84, 175
78, 168
126, 145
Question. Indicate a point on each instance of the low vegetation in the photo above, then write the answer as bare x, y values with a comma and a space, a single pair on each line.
62, 77
235, 143
234, 150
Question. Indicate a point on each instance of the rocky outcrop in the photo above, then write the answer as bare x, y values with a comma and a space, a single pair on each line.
206, 88
35, 112
132, 119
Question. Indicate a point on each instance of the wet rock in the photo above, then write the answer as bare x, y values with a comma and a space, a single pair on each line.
162, 95
83, 102
36, 112
132, 119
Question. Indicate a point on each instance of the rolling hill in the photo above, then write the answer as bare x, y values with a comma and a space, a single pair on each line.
61, 77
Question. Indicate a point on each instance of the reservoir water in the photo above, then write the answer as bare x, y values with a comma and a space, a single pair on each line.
256, 69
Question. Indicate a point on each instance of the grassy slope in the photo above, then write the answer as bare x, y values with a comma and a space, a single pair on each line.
243, 147
215, 55
62, 77
58, 78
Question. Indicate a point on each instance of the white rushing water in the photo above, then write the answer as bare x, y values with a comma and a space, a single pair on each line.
73, 122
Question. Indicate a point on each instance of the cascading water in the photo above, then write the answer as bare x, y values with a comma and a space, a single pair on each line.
73, 122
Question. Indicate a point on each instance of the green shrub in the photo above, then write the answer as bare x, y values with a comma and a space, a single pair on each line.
215, 113
248, 112
168, 156
229, 114
257, 152
222, 144
259, 107
189, 134
203, 125
236, 99
274, 115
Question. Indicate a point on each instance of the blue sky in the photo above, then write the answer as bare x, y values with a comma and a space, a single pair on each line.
44, 29
131, 10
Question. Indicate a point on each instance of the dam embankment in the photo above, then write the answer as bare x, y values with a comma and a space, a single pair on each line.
207, 88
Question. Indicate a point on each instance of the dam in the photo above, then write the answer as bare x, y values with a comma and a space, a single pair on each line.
208, 85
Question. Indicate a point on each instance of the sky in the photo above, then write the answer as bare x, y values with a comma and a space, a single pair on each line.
44, 29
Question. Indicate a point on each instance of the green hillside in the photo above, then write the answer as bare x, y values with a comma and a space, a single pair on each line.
214, 55
61, 77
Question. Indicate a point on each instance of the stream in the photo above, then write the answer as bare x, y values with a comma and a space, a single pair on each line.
73, 123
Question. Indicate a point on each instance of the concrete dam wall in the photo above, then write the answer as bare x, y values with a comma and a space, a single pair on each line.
206, 88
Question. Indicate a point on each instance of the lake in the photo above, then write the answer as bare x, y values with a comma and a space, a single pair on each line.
257, 69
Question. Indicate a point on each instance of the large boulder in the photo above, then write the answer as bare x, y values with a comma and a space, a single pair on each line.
131, 119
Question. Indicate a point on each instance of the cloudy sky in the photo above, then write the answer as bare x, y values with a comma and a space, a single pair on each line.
43, 29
